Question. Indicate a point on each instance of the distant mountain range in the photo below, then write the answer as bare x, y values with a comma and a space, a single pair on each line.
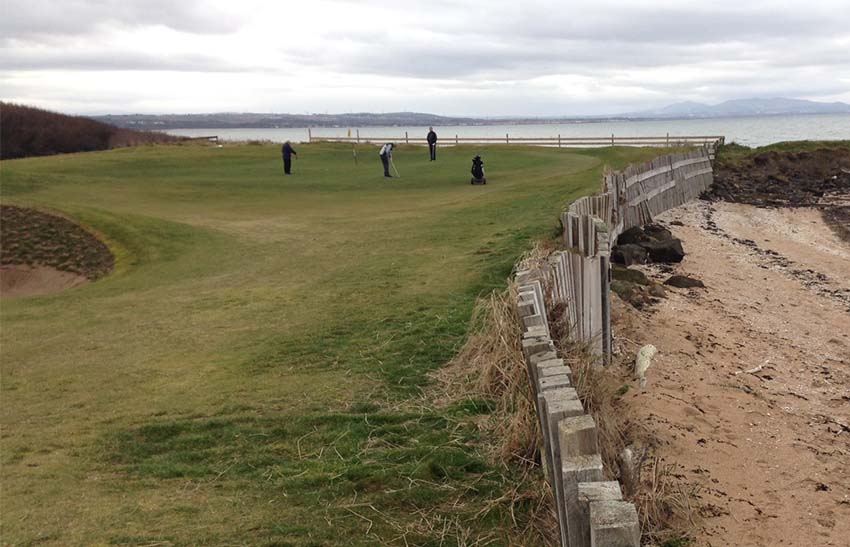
683, 110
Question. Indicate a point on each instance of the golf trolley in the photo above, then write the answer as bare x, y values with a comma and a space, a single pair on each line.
477, 171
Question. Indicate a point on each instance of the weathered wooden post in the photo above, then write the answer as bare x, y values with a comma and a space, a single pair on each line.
507, 139
668, 139
309, 135
559, 140
457, 141
406, 139
612, 139
605, 273
358, 136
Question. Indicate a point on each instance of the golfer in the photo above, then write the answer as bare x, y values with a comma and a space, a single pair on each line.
386, 154
432, 143
287, 152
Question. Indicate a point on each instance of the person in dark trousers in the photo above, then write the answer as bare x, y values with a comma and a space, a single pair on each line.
287, 151
432, 143
386, 154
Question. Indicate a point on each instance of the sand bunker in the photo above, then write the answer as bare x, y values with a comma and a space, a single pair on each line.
41, 253
22, 280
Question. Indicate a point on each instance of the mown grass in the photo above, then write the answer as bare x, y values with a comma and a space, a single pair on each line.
255, 371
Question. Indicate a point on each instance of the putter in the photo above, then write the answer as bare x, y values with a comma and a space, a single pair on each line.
395, 168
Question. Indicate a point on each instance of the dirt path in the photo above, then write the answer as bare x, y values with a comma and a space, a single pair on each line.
750, 392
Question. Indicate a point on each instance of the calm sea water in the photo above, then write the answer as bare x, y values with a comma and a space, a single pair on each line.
750, 131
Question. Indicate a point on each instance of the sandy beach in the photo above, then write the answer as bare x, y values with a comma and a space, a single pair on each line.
750, 392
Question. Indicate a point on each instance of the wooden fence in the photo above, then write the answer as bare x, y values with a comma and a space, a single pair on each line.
556, 141
591, 511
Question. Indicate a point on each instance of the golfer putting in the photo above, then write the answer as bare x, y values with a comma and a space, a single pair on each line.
386, 155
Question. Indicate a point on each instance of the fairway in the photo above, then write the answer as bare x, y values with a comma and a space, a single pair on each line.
253, 371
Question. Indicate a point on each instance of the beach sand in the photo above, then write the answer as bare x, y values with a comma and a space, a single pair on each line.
750, 392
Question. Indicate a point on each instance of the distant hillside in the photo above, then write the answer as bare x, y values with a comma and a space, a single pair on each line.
27, 131
745, 107
234, 119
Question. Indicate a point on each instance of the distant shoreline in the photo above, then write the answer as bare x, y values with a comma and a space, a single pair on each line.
259, 121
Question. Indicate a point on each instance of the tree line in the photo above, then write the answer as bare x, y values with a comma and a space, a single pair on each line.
26, 131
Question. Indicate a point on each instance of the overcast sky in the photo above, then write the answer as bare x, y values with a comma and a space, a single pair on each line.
453, 57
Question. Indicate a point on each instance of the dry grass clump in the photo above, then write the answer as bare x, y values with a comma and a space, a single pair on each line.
665, 504
491, 366
493, 357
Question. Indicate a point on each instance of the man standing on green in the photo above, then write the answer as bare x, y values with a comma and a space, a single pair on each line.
432, 143
287, 151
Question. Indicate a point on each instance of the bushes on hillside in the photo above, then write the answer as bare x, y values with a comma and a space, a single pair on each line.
27, 131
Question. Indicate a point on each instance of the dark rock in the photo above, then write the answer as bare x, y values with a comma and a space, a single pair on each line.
631, 293
676, 223
656, 231
620, 273
684, 282
665, 251
628, 254
633, 235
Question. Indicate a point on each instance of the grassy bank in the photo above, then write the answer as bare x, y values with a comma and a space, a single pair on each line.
251, 373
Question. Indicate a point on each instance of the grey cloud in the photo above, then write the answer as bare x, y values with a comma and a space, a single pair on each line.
33, 19
23, 60
519, 60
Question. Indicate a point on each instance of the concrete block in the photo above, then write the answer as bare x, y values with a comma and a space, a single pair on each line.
533, 321
553, 382
543, 356
536, 344
536, 331
540, 357
525, 309
553, 362
524, 276
599, 491
557, 404
614, 524
576, 470
552, 371
577, 436
547, 367
589, 492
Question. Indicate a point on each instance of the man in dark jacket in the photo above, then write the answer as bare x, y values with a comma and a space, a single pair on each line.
287, 151
432, 143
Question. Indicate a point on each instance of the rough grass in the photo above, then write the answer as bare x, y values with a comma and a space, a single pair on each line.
253, 370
